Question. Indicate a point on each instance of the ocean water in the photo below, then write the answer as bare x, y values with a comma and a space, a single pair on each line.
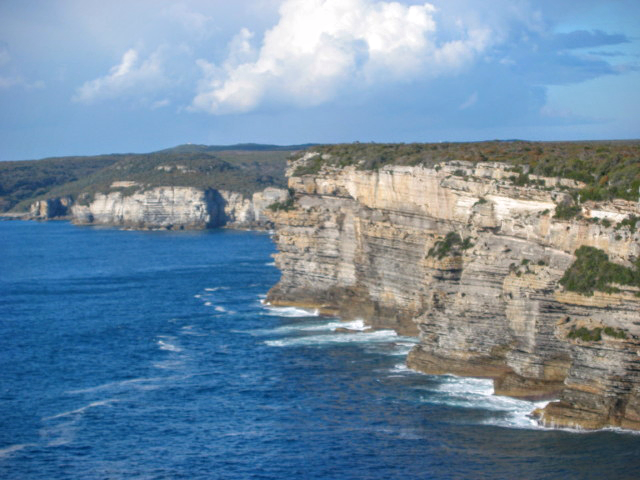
149, 355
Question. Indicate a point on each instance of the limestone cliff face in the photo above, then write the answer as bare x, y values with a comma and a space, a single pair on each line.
365, 244
169, 207
50, 208
162, 207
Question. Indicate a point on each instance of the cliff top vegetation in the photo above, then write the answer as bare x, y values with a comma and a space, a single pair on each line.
241, 168
610, 169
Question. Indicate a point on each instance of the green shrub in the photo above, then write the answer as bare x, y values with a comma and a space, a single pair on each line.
593, 271
612, 332
595, 334
287, 205
451, 244
630, 222
567, 212
311, 167
609, 170
585, 334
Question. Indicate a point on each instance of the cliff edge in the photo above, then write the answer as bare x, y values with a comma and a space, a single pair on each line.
131, 205
501, 278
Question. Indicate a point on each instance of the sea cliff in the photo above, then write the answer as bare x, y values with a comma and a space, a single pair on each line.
130, 205
476, 263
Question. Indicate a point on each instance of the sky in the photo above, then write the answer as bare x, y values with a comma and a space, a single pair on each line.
85, 77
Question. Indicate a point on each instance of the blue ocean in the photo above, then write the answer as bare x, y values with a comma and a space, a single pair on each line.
150, 355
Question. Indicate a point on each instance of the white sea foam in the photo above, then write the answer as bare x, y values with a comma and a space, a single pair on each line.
364, 337
401, 349
208, 304
270, 264
220, 309
290, 312
197, 296
315, 326
81, 410
137, 383
7, 451
401, 368
167, 346
215, 289
477, 393
59, 433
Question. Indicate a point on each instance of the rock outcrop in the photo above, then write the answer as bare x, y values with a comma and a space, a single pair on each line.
129, 205
471, 261
51, 208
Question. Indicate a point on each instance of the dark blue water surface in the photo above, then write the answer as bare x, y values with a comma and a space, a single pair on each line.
148, 355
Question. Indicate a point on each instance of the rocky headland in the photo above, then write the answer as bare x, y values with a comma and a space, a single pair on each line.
185, 187
132, 206
502, 273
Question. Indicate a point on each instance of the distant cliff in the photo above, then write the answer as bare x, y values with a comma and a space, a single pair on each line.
245, 169
185, 187
503, 275
166, 207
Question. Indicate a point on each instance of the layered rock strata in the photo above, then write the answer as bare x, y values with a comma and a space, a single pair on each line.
371, 244
129, 205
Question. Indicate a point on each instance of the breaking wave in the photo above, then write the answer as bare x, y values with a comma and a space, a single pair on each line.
312, 340
477, 393
289, 312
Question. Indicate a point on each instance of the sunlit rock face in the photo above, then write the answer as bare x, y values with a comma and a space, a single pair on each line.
177, 208
371, 245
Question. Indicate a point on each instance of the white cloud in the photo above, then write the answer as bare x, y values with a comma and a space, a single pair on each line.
320, 48
130, 77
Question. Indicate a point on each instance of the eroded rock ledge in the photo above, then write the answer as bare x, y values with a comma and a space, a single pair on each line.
373, 245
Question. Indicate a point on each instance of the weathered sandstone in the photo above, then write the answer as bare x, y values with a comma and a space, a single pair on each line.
132, 206
358, 243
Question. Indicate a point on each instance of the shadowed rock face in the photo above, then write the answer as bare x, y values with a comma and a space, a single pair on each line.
371, 245
50, 208
177, 208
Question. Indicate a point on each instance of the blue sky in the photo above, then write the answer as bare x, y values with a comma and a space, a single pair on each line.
87, 77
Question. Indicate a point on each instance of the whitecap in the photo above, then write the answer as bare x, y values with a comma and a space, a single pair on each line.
336, 338
401, 368
316, 326
270, 264
215, 289
402, 349
208, 304
220, 309
290, 312
170, 347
